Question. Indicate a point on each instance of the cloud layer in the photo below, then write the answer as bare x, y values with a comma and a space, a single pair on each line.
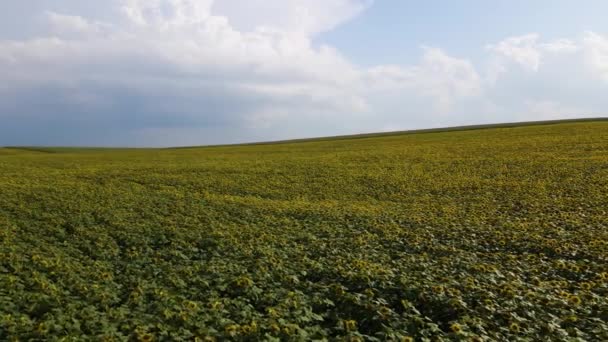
180, 72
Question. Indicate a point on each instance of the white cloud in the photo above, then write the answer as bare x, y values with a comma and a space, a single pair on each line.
560, 46
596, 52
438, 76
183, 37
447, 77
167, 13
521, 49
67, 25
302, 16
548, 109
526, 51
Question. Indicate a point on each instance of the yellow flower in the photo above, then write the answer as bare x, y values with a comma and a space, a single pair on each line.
42, 329
231, 329
437, 289
289, 330
574, 300
384, 311
407, 339
275, 328
190, 305
244, 282
272, 312
145, 337
508, 293
586, 286
453, 292
456, 328
216, 305
350, 325
514, 328
455, 303
249, 328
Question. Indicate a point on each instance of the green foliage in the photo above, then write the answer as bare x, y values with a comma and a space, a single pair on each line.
497, 234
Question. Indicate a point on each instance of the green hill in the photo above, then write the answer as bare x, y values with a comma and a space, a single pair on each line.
475, 233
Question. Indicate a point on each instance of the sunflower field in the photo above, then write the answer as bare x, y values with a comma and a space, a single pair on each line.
478, 235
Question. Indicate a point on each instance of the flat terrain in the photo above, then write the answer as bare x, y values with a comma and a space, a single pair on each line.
484, 234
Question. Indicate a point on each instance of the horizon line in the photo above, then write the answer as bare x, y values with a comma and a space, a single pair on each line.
362, 135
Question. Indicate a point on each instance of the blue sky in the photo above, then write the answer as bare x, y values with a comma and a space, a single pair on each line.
191, 72
391, 31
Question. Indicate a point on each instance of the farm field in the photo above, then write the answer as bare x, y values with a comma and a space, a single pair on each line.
496, 234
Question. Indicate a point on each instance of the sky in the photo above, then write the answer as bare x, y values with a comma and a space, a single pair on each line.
194, 72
